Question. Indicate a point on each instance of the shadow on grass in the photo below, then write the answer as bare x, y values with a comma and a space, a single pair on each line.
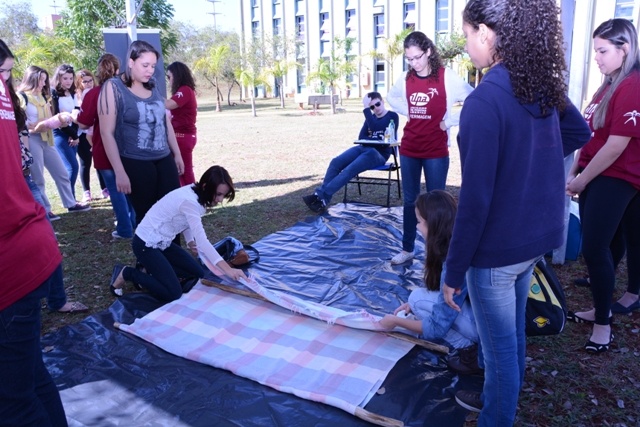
270, 182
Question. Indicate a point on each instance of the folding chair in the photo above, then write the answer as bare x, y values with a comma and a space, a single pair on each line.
390, 167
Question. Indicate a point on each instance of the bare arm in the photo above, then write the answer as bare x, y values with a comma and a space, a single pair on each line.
170, 104
107, 114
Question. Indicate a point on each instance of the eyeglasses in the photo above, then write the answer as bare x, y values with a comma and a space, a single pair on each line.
86, 82
377, 104
415, 58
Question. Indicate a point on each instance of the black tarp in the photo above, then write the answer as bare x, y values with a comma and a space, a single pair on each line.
341, 258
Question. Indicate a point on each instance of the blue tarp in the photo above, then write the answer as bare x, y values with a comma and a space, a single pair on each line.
341, 259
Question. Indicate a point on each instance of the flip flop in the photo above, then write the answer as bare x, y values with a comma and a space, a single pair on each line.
118, 292
618, 308
74, 307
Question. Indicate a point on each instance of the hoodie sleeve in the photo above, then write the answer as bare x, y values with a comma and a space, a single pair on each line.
457, 91
397, 96
574, 129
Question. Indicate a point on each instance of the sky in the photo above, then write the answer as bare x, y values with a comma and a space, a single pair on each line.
196, 12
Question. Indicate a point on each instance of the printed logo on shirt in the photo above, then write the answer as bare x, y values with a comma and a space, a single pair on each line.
632, 117
588, 112
179, 94
420, 99
3, 92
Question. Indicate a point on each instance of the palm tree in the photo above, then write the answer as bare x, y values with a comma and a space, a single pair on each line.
213, 67
250, 78
393, 48
330, 71
278, 70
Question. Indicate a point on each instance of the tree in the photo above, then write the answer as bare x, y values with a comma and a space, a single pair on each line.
46, 51
450, 46
17, 21
82, 20
251, 71
278, 65
330, 71
393, 48
212, 67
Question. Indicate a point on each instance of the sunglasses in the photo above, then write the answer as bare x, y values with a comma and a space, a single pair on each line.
377, 104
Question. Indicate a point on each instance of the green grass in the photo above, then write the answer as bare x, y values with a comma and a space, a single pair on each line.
281, 155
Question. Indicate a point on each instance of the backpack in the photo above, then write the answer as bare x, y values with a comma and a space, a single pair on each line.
546, 310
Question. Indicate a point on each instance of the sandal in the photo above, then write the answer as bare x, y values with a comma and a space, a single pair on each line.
73, 307
593, 347
572, 317
117, 269
618, 308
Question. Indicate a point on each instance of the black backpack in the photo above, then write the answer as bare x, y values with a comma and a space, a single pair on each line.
546, 305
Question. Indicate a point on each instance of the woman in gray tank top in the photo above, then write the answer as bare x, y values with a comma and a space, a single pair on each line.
138, 139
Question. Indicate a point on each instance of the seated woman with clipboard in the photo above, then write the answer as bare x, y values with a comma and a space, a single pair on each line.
359, 158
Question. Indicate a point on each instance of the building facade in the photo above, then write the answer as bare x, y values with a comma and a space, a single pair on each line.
371, 23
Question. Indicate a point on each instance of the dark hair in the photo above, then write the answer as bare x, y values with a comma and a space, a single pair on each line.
31, 79
182, 76
136, 49
20, 114
108, 67
530, 45
618, 32
57, 84
374, 95
438, 209
207, 187
424, 43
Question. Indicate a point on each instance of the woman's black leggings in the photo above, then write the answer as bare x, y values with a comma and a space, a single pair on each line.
610, 218
84, 153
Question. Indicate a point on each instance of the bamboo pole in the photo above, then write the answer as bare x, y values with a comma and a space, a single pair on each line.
398, 335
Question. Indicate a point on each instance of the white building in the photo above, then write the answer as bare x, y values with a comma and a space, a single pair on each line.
315, 23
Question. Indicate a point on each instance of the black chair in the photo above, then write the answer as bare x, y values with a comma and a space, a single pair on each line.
390, 167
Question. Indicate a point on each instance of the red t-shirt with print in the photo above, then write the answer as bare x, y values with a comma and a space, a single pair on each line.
623, 119
184, 117
422, 137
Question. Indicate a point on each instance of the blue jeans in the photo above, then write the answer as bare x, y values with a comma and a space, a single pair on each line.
122, 208
28, 395
347, 165
57, 297
164, 268
435, 172
68, 156
499, 298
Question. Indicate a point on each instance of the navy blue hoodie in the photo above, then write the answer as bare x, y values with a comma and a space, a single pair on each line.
512, 197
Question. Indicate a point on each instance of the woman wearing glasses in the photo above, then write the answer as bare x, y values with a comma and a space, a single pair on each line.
425, 94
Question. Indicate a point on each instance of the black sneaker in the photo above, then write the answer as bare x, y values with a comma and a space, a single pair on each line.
52, 216
79, 208
469, 400
465, 361
310, 200
318, 206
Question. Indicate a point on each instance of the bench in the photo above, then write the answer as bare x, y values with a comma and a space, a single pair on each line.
316, 100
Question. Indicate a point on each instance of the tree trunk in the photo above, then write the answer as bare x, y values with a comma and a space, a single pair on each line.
218, 102
253, 101
333, 104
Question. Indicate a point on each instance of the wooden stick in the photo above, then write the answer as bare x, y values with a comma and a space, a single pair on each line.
398, 335
380, 420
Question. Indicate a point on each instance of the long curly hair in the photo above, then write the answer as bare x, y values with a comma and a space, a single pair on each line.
619, 32
424, 43
438, 209
182, 76
529, 44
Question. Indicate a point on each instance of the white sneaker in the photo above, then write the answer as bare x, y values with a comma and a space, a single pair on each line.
402, 257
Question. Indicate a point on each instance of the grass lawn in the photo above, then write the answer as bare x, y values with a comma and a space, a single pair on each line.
280, 156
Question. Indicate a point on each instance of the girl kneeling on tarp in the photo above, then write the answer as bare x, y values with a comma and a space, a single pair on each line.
179, 211
427, 313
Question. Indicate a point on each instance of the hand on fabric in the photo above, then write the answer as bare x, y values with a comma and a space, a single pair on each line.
448, 293
232, 273
123, 184
404, 307
389, 321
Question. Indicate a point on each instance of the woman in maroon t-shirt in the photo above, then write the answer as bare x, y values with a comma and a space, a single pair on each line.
183, 108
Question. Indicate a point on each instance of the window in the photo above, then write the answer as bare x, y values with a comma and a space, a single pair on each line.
325, 27
378, 79
442, 16
325, 48
301, 75
377, 3
378, 29
300, 29
299, 7
410, 15
324, 5
277, 27
254, 3
352, 23
255, 29
624, 9
277, 10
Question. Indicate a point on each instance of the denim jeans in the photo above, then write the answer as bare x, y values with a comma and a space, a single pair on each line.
435, 172
28, 395
122, 208
499, 298
463, 331
68, 156
164, 268
347, 165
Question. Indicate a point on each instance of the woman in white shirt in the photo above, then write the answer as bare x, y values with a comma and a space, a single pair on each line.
165, 262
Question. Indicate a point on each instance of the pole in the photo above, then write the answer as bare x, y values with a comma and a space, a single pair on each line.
130, 10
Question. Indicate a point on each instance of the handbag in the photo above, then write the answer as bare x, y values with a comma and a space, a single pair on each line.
236, 253
546, 310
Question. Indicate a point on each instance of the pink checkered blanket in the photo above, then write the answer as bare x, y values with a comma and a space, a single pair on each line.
312, 359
